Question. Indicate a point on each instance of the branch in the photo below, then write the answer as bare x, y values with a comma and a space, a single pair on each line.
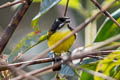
13, 25
12, 3
16, 71
95, 53
95, 46
41, 71
45, 60
32, 62
105, 12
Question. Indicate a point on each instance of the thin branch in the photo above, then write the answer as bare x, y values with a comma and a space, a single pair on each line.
16, 71
32, 62
35, 72
66, 8
13, 24
79, 28
96, 46
105, 12
12, 3
10, 67
45, 60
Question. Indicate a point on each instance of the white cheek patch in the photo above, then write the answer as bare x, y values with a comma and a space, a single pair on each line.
61, 25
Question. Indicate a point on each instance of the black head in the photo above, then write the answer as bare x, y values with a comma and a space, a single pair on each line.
59, 23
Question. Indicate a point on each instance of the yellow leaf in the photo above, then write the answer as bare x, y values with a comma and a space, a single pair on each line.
72, 3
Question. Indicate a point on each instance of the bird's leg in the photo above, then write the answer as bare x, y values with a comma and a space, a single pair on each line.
57, 59
69, 53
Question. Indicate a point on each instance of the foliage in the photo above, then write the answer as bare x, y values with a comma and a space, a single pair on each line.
109, 27
109, 66
28, 42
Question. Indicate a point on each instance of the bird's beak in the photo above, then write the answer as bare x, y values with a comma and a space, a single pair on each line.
67, 20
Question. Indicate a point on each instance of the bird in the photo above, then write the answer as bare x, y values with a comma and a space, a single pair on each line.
60, 29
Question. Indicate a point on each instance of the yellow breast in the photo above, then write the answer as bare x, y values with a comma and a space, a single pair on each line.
63, 47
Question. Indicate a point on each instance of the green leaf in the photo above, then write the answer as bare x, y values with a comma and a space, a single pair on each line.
29, 41
109, 28
85, 75
45, 6
108, 65
117, 74
36, 1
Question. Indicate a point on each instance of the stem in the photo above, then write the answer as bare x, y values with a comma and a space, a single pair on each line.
66, 8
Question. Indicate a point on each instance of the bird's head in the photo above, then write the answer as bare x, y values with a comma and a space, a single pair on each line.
59, 23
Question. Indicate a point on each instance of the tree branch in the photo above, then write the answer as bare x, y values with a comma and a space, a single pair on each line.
13, 25
12, 3
16, 71
32, 62
105, 12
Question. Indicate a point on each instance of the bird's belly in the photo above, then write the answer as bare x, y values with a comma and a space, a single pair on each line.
63, 47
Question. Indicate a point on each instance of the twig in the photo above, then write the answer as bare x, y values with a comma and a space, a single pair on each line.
66, 8
16, 71
13, 25
38, 61
79, 28
10, 67
45, 60
105, 12
94, 47
41, 71
12, 3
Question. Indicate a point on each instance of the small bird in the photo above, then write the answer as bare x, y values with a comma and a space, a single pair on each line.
58, 31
